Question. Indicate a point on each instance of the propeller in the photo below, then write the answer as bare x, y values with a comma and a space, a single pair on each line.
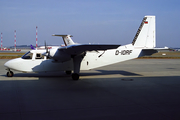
47, 51
45, 47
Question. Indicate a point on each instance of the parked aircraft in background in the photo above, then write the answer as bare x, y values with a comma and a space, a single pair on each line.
75, 57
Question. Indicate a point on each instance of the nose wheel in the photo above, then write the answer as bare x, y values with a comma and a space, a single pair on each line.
10, 74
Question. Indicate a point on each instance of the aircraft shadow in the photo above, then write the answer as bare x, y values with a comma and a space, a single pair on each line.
41, 74
63, 75
111, 72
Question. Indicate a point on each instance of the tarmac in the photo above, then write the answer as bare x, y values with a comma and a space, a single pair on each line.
142, 89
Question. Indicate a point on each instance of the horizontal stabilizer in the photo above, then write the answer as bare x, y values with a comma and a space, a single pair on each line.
148, 52
66, 38
158, 49
62, 35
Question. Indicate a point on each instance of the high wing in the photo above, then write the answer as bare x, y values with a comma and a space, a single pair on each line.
75, 49
80, 48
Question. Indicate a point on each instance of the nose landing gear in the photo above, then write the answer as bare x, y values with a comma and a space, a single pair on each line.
9, 73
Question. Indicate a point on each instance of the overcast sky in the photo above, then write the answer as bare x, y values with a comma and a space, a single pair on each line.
89, 21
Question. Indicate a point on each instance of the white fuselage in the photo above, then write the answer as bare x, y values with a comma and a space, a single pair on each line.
93, 59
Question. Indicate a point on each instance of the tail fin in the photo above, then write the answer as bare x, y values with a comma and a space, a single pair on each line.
67, 39
32, 47
146, 34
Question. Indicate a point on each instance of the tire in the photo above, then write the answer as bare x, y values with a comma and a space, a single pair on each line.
75, 76
10, 74
68, 72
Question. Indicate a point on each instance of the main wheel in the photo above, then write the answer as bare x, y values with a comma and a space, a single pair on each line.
68, 72
75, 76
10, 74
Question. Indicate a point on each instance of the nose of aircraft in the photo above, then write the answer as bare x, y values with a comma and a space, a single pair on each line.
8, 64
12, 63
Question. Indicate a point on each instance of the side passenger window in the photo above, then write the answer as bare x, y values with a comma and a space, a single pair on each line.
39, 56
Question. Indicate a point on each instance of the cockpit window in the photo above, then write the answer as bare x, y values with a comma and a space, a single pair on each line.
28, 55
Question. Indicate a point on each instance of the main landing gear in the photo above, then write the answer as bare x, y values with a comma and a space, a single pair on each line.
75, 76
68, 72
76, 64
9, 73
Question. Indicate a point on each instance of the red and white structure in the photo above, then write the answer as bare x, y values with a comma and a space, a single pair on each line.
1, 41
36, 37
2, 44
15, 40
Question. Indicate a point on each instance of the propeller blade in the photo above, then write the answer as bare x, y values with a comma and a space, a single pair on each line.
46, 47
47, 51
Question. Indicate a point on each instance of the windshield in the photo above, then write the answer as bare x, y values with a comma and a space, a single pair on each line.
28, 55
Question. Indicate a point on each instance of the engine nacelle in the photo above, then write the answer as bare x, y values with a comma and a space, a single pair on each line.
59, 55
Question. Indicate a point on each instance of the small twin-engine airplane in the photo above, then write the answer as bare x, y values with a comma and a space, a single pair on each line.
75, 57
